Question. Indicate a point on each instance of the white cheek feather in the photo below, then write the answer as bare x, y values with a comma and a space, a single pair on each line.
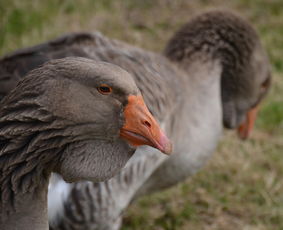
58, 193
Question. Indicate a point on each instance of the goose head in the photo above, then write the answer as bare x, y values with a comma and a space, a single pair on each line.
84, 118
230, 40
245, 80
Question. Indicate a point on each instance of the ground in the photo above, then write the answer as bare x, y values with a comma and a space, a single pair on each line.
241, 187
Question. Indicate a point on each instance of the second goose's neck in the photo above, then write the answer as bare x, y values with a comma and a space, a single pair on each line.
196, 128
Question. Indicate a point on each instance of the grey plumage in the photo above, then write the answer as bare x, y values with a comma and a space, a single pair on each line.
56, 120
214, 65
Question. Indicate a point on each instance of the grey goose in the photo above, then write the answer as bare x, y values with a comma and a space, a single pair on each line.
80, 118
213, 74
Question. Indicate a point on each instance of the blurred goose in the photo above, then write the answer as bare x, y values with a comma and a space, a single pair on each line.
73, 116
214, 72
222, 40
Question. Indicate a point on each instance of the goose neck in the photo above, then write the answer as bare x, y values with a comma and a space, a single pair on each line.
24, 210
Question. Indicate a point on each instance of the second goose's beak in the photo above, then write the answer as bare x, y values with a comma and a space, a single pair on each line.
140, 128
246, 127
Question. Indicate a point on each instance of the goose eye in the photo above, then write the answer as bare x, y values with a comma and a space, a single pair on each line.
104, 89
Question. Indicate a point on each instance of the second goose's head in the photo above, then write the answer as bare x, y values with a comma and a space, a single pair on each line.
228, 38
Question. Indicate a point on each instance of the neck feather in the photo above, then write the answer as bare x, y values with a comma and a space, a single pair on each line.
25, 169
31, 141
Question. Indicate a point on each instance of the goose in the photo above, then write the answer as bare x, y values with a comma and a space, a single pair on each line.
230, 41
80, 118
213, 73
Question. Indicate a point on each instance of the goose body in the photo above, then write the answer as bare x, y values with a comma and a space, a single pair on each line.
213, 72
68, 116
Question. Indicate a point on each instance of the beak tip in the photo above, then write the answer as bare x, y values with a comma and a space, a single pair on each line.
168, 149
166, 145
244, 130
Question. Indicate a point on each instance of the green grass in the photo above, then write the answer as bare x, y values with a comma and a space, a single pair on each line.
241, 187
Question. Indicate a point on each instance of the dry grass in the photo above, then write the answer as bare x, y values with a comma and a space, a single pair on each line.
241, 187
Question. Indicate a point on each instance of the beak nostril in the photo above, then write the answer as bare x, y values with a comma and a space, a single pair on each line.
146, 123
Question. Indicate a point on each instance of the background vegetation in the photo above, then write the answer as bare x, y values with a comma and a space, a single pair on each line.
242, 186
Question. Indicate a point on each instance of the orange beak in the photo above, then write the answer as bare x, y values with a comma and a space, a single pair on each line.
246, 127
140, 127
